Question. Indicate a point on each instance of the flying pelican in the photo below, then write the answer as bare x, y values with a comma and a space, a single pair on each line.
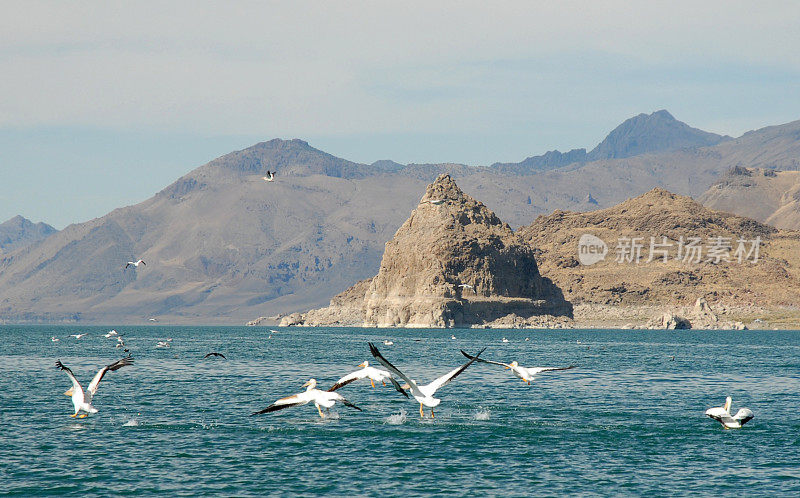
526, 374
372, 373
78, 336
82, 400
110, 334
423, 394
325, 399
270, 176
722, 415
136, 264
214, 354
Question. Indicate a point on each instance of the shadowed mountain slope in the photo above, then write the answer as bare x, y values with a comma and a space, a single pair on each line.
769, 196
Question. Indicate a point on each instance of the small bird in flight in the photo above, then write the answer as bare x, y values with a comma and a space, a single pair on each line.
136, 264
270, 176
78, 336
214, 354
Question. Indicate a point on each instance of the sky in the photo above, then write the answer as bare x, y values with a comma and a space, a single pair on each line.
105, 103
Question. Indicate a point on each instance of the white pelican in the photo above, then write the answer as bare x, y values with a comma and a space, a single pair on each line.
387, 342
423, 394
504, 340
270, 176
110, 334
162, 344
326, 399
54, 339
452, 336
82, 400
135, 264
526, 374
722, 415
373, 374
78, 336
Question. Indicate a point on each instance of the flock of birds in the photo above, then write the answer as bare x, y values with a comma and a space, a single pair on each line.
424, 394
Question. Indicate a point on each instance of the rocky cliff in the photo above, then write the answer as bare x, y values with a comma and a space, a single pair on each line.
452, 263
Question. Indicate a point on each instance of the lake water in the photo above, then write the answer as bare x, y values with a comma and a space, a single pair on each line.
629, 420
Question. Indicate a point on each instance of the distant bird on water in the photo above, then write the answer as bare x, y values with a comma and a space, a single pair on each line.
722, 415
526, 374
214, 354
270, 176
135, 264
54, 339
82, 400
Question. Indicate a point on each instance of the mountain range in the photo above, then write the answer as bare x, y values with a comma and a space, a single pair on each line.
223, 246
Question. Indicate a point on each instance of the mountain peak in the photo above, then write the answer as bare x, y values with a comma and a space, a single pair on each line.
19, 232
655, 132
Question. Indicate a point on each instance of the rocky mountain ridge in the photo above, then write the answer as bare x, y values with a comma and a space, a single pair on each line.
642, 134
657, 251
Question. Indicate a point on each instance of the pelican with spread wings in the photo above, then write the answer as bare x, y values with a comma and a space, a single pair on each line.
423, 394
325, 399
526, 374
82, 400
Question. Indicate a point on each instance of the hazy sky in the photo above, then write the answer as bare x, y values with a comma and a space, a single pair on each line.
103, 104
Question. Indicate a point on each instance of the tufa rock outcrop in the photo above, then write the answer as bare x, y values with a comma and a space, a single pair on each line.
453, 263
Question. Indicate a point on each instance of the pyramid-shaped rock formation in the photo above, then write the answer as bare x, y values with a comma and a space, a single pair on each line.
452, 263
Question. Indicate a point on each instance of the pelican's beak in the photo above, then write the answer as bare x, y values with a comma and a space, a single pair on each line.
506, 368
363, 365
308, 383
68, 392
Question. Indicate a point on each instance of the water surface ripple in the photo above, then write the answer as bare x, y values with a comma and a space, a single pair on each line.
629, 420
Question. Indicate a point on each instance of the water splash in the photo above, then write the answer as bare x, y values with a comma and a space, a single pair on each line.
482, 414
397, 418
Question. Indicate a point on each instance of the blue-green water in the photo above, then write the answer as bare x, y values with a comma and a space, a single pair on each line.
629, 420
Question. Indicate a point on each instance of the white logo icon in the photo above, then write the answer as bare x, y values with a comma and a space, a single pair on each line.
591, 249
